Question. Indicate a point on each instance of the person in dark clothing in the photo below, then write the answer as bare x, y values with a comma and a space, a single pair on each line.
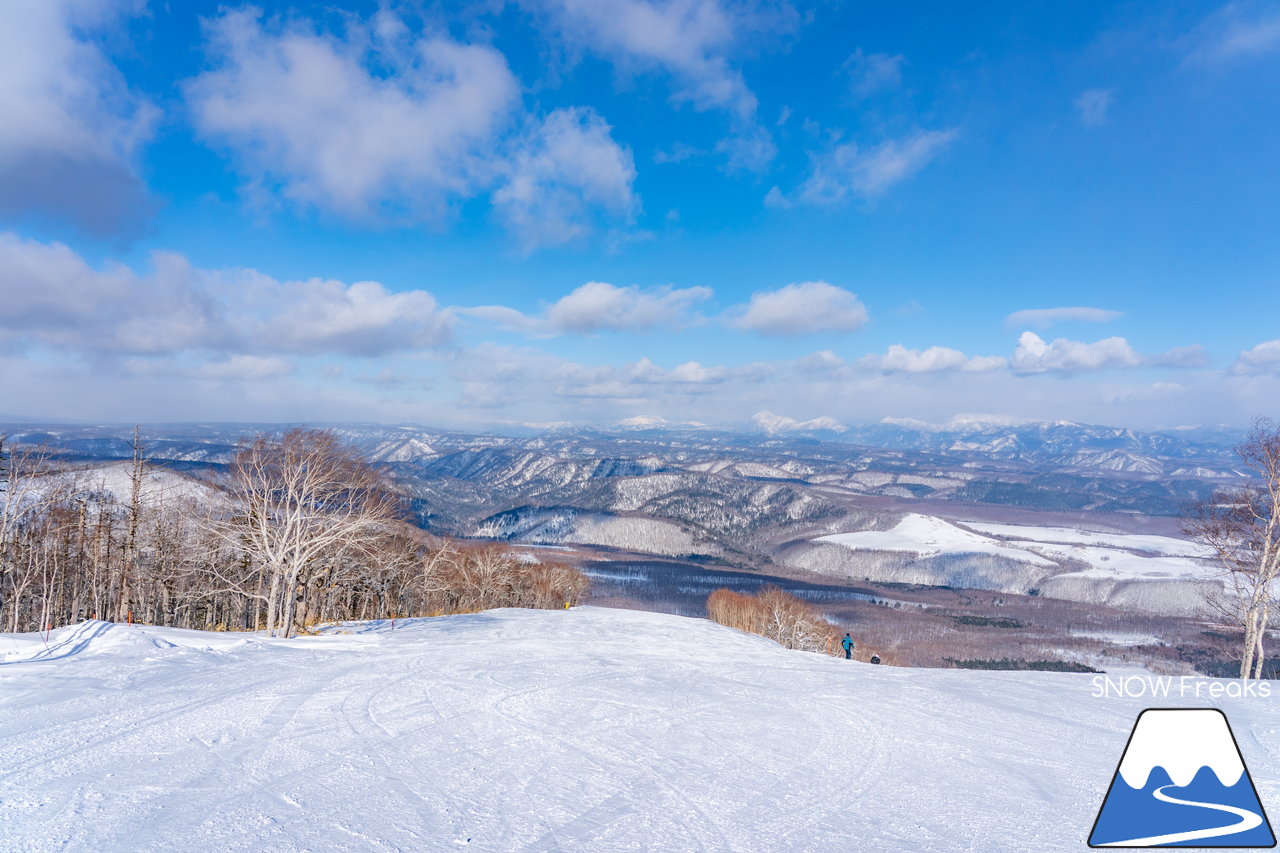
875, 658
847, 645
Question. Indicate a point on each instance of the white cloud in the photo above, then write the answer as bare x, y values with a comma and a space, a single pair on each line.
564, 173
846, 170
70, 125
822, 361
55, 299
691, 40
1093, 106
872, 73
689, 373
1033, 355
1263, 358
52, 296
375, 123
381, 124
679, 152
245, 368
1236, 31
364, 318
1043, 318
1190, 356
750, 150
694, 43
801, 309
899, 359
598, 306
507, 318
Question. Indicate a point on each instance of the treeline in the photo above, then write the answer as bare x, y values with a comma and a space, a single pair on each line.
299, 530
1004, 664
775, 614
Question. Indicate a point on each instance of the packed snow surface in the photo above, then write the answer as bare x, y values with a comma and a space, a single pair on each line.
514, 730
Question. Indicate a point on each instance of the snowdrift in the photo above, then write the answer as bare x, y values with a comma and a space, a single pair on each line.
512, 730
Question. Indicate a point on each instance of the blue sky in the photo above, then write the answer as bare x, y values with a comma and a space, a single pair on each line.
562, 210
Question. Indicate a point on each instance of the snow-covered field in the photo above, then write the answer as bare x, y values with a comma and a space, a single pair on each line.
513, 730
927, 536
1120, 556
1108, 556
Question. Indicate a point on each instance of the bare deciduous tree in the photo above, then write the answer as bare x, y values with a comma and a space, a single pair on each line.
306, 533
306, 499
1241, 528
775, 614
25, 493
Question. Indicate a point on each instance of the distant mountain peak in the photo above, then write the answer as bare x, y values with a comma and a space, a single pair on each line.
970, 421
643, 422
656, 422
771, 424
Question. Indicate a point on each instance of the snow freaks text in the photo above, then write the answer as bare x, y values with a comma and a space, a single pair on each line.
1180, 687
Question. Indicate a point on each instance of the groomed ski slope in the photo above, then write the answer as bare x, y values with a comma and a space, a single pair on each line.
512, 730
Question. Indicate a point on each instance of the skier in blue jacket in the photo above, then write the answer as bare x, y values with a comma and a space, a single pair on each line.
847, 644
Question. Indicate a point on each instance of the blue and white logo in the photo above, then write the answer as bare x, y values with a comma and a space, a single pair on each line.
1182, 783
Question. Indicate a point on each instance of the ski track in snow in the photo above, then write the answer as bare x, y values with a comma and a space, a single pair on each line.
513, 730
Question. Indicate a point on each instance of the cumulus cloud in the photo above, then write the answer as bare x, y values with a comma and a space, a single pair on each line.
364, 318
565, 172
71, 126
53, 297
801, 309
598, 306
1263, 358
380, 124
846, 169
1043, 318
1093, 105
899, 359
58, 300
508, 318
1033, 355
373, 123
872, 73
692, 41
498, 377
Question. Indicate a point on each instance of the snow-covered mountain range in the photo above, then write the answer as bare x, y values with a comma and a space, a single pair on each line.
764, 496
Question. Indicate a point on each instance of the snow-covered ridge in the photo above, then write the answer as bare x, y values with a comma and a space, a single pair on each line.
967, 421
928, 536
113, 480
771, 424
1107, 556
